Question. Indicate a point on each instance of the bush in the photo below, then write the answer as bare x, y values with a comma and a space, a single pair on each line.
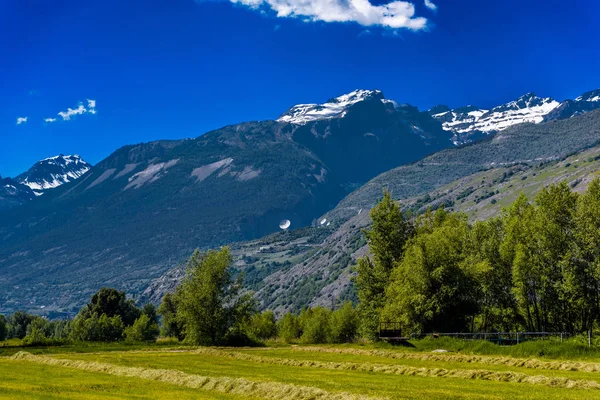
262, 326
143, 329
98, 328
343, 324
289, 327
315, 325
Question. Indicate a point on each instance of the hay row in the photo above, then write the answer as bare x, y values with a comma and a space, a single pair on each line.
490, 360
499, 376
238, 386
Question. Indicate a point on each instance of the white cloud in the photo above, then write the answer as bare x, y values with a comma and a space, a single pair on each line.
50, 120
429, 4
397, 14
21, 120
81, 109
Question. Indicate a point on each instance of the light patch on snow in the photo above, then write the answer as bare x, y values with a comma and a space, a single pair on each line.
151, 174
203, 172
337, 108
105, 175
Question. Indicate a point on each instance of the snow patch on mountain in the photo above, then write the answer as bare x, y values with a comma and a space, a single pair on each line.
528, 108
335, 108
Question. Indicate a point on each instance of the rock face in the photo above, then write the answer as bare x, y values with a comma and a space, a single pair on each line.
145, 208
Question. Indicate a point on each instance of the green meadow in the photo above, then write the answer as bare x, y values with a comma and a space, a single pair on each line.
293, 372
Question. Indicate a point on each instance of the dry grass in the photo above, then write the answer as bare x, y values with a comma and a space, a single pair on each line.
239, 386
499, 376
443, 357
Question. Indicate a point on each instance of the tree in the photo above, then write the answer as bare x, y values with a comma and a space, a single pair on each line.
112, 303
97, 328
289, 327
262, 326
143, 329
344, 324
170, 326
434, 288
207, 299
386, 237
315, 325
3, 328
150, 310
18, 323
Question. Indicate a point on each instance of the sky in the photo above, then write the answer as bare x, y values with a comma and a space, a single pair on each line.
82, 77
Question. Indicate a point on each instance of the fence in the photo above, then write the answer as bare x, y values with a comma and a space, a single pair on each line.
392, 331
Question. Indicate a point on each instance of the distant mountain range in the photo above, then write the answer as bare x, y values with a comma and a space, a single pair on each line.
144, 208
471, 122
139, 213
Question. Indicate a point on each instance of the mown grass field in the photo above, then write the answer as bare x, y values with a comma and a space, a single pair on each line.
293, 372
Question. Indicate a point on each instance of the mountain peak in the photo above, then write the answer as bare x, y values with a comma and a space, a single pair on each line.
52, 172
336, 107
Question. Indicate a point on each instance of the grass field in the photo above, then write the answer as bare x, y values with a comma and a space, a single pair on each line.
292, 372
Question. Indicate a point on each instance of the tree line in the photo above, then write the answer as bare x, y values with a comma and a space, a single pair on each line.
535, 267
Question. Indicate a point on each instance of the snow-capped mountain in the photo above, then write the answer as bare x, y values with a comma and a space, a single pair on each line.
53, 172
469, 122
334, 108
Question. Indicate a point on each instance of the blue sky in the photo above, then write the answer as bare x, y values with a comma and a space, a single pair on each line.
160, 69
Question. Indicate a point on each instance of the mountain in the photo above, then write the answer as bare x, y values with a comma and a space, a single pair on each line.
471, 123
312, 266
143, 209
44, 175
13, 193
53, 172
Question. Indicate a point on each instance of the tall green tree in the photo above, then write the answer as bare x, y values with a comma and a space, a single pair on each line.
207, 300
386, 237
435, 287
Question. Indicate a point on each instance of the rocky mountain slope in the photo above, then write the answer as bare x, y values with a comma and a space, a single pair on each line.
313, 266
13, 193
144, 209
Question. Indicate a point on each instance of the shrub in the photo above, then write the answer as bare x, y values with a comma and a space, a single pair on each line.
143, 329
